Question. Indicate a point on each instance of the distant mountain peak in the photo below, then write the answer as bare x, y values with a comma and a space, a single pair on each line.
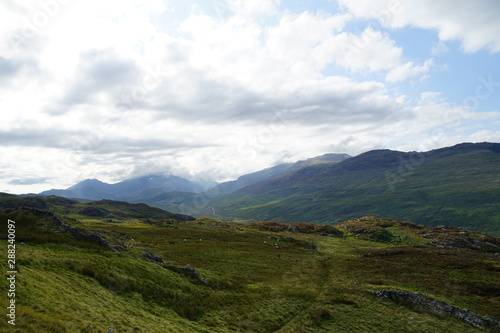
130, 189
92, 181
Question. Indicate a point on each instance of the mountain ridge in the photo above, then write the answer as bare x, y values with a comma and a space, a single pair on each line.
456, 185
139, 189
94, 189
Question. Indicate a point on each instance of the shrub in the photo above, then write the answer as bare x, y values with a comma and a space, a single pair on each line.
269, 226
320, 314
342, 300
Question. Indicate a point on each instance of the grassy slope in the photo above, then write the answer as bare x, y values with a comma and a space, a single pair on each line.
458, 190
109, 209
256, 283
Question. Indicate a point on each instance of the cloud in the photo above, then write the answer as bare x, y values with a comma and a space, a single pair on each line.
100, 73
8, 67
296, 36
270, 68
32, 137
110, 90
28, 181
371, 50
409, 70
439, 48
474, 23
252, 8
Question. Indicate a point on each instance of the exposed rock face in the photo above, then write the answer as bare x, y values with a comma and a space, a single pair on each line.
149, 256
190, 270
422, 303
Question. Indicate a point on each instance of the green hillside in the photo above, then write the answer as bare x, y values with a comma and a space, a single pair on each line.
456, 186
107, 209
161, 274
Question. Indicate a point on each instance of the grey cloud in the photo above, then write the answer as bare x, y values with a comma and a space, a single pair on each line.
99, 71
192, 95
218, 103
92, 143
14, 7
131, 147
8, 67
28, 181
49, 138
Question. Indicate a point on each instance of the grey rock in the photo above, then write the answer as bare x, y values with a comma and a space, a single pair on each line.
422, 303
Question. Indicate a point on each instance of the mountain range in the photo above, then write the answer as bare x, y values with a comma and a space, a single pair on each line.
94, 189
457, 186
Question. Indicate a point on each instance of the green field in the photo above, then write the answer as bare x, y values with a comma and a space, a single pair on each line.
260, 277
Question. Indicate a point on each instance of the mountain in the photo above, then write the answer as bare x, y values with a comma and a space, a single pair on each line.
323, 159
248, 179
198, 204
275, 171
115, 267
128, 190
175, 193
456, 186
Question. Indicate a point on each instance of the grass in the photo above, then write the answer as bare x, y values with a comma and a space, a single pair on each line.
258, 280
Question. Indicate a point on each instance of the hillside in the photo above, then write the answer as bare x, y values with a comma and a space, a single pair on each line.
251, 178
276, 171
132, 275
103, 209
455, 186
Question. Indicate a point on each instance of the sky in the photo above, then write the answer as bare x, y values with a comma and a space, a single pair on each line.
216, 89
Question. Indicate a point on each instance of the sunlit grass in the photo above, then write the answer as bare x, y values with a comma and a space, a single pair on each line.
257, 280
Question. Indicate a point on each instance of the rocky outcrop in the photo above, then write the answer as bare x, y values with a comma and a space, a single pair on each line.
149, 256
457, 238
80, 235
187, 270
190, 271
60, 226
422, 303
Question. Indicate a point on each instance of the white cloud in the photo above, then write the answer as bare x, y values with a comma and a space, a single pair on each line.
474, 23
252, 8
370, 50
439, 48
296, 35
409, 70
